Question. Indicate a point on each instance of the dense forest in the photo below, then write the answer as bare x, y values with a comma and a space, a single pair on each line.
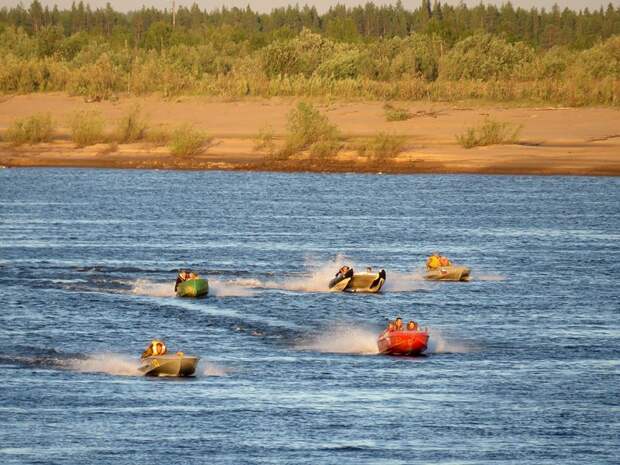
436, 51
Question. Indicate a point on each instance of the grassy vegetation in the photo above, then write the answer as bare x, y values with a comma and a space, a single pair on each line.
309, 130
381, 53
382, 146
31, 130
265, 141
490, 132
87, 128
131, 127
393, 113
185, 141
157, 136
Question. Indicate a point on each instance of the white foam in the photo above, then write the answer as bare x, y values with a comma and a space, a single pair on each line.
113, 364
153, 289
438, 343
212, 369
343, 340
233, 288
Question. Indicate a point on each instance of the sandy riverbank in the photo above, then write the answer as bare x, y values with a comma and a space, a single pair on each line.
573, 141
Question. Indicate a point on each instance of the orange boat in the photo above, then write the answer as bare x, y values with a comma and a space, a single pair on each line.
403, 342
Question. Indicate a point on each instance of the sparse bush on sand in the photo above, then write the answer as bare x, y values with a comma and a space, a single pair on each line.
186, 141
393, 113
31, 130
131, 127
309, 130
382, 146
87, 128
490, 132
265, 141
157, 136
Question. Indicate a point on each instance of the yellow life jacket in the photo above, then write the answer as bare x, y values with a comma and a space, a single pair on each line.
433, 262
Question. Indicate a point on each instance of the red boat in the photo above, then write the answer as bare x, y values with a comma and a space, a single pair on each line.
403, 342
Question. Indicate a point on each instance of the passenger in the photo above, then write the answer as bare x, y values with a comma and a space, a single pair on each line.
343, 271
391, 326
444, 261
398, 324
182, 276
155, 348
433, 261
192, 275
412, 326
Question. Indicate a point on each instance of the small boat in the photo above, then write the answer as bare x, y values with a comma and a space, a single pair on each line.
367, 281
178, 364
448, 273
404, 342
195, 287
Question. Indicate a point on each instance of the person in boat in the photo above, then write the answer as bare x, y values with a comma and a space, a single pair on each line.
433, 262
412, 326
343, 271
390, 326
155, 348
398, 324
444, 261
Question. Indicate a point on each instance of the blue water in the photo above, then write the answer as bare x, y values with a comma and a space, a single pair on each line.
524, 360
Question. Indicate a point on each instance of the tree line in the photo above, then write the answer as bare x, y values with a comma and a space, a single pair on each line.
435, 52
150, 27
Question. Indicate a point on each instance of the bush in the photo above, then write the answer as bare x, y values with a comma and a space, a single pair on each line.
483, 56
310, 130
131, 127
395, 113
382, 146
31, 130
265, 141
490, 132
87, 128
186, 141
157, 136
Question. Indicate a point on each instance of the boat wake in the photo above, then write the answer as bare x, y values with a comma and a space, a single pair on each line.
342, 340
112, 364
405, 282
150, 288
212, 369
236, 288
438, 343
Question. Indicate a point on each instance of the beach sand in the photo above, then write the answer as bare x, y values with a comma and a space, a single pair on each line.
553, 140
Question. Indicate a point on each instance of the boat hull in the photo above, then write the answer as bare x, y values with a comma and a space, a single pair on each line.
449, 273
193, 288
169, 365
359, 282
403, 342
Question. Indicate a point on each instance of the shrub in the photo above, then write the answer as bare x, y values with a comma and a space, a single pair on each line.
483, 56
490, 132
265, 141
87, 128
157, 136
395, 113
131, 127
308, 129
31, 130
382, 146
187, 141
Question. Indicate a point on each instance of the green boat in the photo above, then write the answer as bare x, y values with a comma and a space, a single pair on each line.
193, 288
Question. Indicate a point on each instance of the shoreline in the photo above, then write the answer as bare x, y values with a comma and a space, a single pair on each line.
553, 141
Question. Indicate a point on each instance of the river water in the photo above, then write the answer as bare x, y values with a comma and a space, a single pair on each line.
523, 364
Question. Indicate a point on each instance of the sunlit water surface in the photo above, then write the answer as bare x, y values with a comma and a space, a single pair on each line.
524, 360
